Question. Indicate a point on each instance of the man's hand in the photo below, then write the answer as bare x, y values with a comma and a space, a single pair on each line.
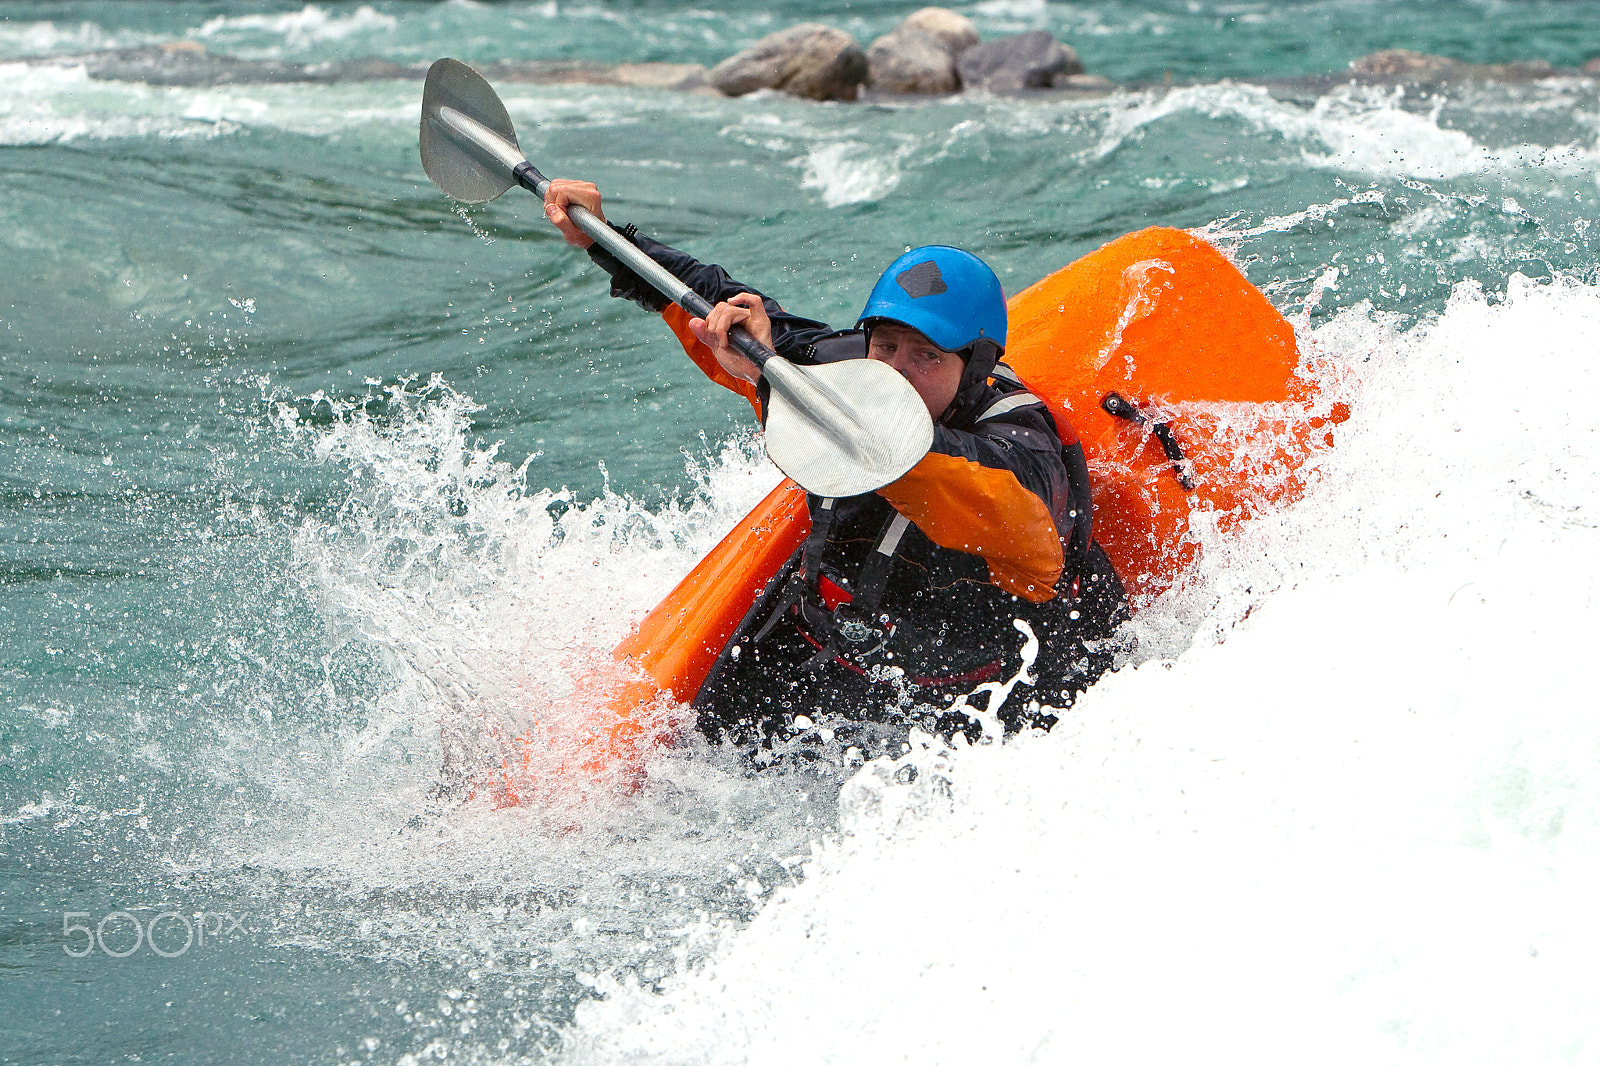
745, 309
563, 192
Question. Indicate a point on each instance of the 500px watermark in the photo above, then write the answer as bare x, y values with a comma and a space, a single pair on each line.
169, 934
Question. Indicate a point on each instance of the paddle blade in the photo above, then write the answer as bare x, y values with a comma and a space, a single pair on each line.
840, 429
465, 174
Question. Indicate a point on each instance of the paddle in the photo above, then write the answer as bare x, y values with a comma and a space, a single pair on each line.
838, 429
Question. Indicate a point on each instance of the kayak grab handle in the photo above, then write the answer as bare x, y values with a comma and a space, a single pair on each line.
1117, 406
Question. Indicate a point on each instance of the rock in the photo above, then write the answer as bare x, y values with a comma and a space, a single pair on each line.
367, 68
955, 32
1521, 70
910, 61
1593, 66
1011, 64
1400, 64
683, 77
833, 77
919, 55
810, 60
1086, 83
1404, 63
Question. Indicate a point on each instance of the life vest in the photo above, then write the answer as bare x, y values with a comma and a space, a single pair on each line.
844, 616
1161, 319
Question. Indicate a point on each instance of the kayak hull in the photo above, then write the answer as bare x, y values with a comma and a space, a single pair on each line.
1159, 318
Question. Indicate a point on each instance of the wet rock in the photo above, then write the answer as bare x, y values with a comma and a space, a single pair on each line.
681, 76
368, 68
1521, 70
910, 61
810, 60
1404, 63
954, 32
919, 55
1400, 64
1011, 64
186, 63
1084, 83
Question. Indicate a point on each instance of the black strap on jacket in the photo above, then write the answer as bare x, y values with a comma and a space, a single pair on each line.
854, 626
1081, 511
804, 582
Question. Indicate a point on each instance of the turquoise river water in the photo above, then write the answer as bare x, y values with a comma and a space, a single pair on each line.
308, 476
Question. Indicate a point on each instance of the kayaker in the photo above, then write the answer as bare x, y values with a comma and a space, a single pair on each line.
904, 599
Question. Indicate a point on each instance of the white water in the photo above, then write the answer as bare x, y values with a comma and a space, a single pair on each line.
1363, 825
1353, 820
1360, 130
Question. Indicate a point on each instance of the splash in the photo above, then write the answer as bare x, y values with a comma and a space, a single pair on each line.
843, 176
309, 26
46, 38
1371, 131
1141, 288
1367, 812
496, 604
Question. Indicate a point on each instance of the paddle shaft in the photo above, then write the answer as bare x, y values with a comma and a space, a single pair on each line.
839, 429
655, 275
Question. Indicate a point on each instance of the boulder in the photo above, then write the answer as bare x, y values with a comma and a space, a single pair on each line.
1084, 83
1404, 63
910, 61
1011, 64
810, 60
684, 77
919, 55
1518, 70
955, 32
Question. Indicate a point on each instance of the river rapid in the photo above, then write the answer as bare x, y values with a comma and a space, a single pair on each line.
309, 477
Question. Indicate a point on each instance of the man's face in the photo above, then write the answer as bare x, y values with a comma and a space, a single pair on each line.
932, 371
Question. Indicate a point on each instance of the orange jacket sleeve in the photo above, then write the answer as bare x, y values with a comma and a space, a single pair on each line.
966, 495
677, 320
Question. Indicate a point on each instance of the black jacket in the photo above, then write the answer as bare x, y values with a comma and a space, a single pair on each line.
1000, 530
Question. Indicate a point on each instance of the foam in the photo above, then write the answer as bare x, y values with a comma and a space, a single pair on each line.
1010, 9
1364, 130
52, 38
484, 596
495, 603
309, 26
50, 104
838, 171
1369, 812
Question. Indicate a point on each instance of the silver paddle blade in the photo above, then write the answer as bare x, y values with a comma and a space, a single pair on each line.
839, 429
472, 170
844, 428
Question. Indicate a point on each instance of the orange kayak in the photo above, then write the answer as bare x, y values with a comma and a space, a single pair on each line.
1215, 418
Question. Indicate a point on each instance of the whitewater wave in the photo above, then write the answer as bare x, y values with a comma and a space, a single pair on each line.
60, 104
52, 38
1370, 811
292, 31
57, 105
495, 602
846, 172
1371, 131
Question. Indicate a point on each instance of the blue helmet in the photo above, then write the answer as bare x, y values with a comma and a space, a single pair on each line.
949, 296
